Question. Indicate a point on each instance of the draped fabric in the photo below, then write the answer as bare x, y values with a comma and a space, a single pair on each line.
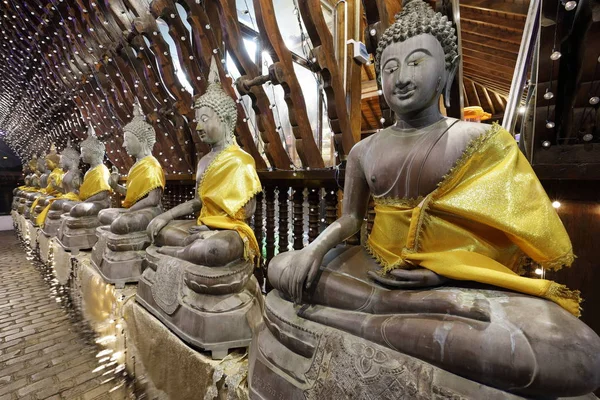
228, 183
41, 218
487, 219
145, 176
54, 180
96, 180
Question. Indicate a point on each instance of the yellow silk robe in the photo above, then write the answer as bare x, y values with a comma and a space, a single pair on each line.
488, 218
95, 181
54, 180
228, 183
143, 178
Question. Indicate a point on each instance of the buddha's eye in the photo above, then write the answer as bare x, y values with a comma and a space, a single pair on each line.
391, 69
204, 118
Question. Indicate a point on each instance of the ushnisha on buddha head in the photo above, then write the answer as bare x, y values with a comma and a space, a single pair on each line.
417, 58
216, 112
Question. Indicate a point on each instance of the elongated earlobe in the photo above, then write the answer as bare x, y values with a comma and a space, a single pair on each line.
451, 75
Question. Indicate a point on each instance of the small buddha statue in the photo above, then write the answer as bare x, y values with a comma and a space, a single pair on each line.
436, 291
199, 280
49, 219
119, 252
53, 179
78, 228
20, 191
29, 195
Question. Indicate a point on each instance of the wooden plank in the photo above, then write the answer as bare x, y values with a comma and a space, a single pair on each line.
274, 149
491, 42
492, 17
284, 71
488, 59
487, 50
333, 80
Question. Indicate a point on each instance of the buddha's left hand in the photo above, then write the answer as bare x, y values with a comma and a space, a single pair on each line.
413, 278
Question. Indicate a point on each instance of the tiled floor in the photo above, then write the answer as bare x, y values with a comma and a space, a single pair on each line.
42, 352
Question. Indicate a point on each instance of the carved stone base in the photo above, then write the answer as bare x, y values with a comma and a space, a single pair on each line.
51, 227
337, 365
118, 258
44, 247
32, 233
215, 315
78, 233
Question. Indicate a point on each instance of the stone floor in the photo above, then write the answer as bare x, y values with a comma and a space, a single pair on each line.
43, 353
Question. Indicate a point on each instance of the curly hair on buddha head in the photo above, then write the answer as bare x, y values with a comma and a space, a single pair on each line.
416, 18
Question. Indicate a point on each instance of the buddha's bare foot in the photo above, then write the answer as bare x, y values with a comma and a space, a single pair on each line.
414, 278
171, 251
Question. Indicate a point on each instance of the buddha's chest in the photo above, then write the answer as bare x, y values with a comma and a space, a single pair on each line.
203, 164
406, 167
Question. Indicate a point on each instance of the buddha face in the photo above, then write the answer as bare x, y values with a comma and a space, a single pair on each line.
132, 144
86, 155
209, 127
413, 74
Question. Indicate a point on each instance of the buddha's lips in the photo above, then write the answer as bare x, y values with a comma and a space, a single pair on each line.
405, 92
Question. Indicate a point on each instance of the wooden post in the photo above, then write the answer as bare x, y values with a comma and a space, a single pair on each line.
313, 213
283, 219
298, 218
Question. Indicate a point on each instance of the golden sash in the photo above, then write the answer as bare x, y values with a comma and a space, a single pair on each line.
228, 183
41, 218
143, 178
96, 180
488, 218
54, 180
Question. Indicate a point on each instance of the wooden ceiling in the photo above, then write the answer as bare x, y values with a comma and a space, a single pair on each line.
491, 33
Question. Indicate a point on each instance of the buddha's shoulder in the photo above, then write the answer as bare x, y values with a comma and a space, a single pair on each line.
469, 130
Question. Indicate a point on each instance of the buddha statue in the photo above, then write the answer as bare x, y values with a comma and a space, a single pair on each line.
122, 239
199, 277
40, 183
433, 305
51, 182
49, 219
78, 228
20, 191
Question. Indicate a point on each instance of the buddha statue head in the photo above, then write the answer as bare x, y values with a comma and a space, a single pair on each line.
69, 157
53, 158
139, 136
417, 58
216, 112
92, 149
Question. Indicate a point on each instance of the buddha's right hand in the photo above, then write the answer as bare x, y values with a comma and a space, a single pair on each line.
292, 271
155, 226
114, 177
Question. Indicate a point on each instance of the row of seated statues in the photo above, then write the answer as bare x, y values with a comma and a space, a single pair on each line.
437, 285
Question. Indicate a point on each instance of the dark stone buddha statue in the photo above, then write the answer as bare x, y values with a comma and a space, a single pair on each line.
433, 304
199, 281
79, 217
119, 252
71, 181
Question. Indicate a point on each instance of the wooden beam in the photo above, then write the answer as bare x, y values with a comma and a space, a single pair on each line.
496, 32
491, 42
493, 17
487, 58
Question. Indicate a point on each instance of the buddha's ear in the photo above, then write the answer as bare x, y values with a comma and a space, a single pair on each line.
451, 74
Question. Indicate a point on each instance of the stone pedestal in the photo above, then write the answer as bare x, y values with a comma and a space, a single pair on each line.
51, 227
337, 365
43, 246
177, 371
118, 258
162, 365
216, 315
32, 233
78, 233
